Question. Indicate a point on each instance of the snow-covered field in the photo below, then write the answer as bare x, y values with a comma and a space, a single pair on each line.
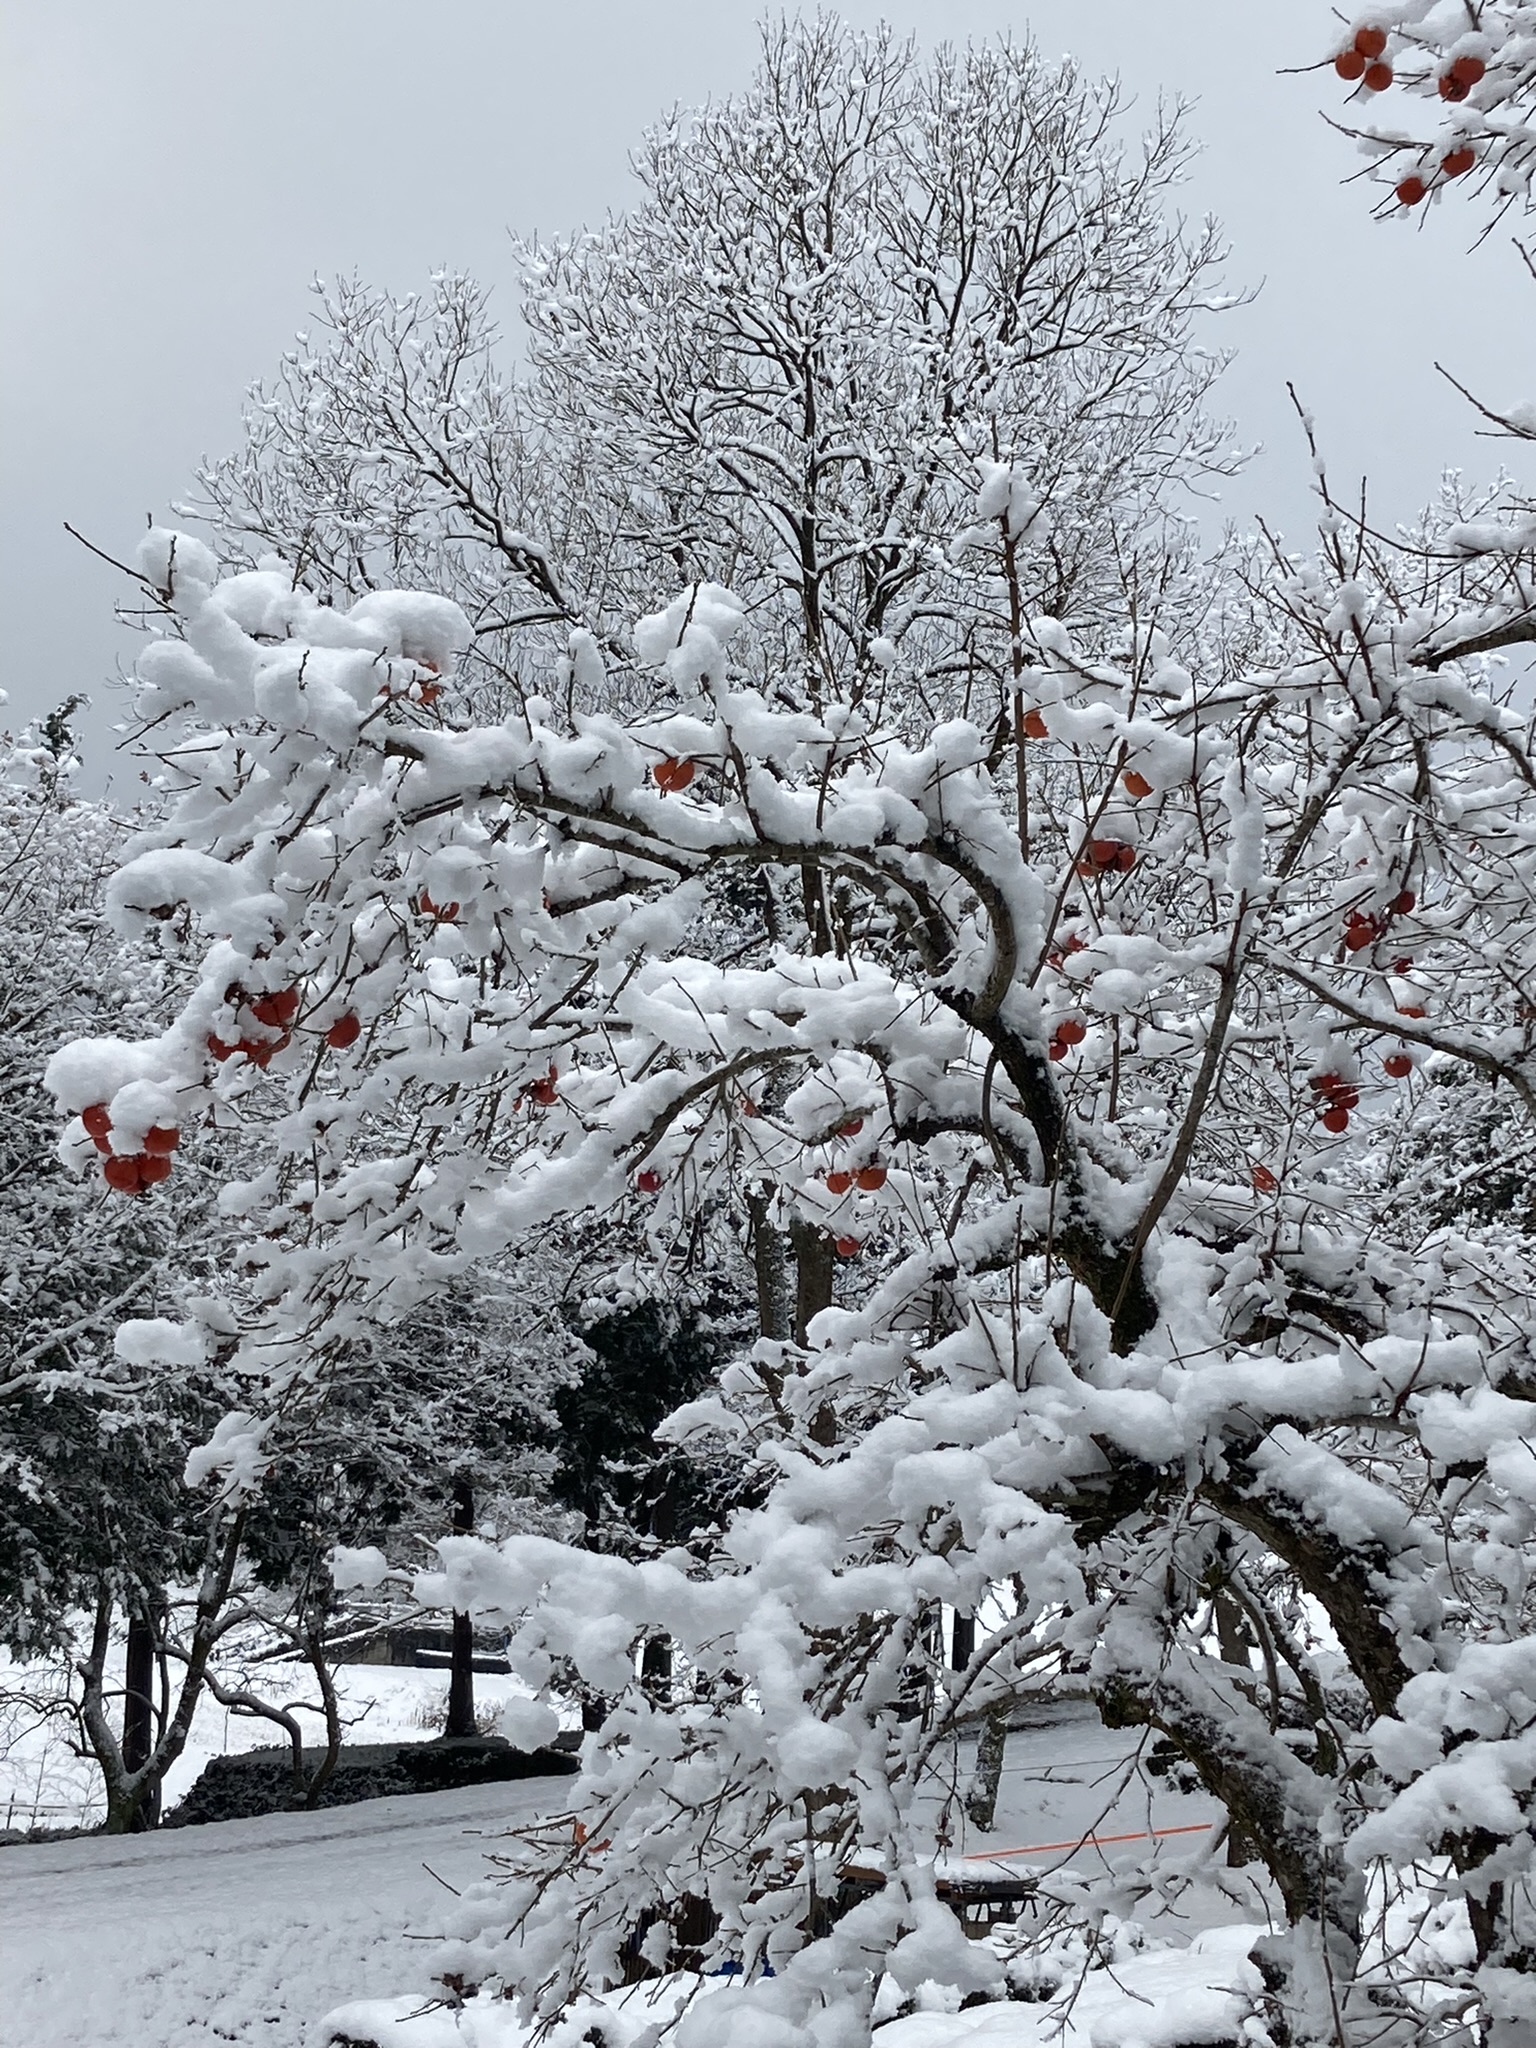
251, 1931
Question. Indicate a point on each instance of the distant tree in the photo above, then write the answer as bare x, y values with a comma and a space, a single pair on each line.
844, 293
448, 1419
836, 295
94, 1515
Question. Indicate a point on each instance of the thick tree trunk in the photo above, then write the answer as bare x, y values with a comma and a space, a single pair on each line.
461, 1680
139, 1712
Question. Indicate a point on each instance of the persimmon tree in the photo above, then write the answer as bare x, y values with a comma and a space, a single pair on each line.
1459, 76
1070, 1050
1080, 1095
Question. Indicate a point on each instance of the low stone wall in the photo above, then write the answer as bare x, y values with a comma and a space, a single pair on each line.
260, 1781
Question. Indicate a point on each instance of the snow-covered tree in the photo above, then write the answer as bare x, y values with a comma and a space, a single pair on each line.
74, 1262
842, 290
1081, 1098
778, 369
836, 296
1081, 1051
95, 1520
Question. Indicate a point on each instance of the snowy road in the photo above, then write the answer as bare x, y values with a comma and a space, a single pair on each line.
249, 1931
243, 1932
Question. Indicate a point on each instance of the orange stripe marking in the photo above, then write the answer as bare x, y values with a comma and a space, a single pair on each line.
1195, 1827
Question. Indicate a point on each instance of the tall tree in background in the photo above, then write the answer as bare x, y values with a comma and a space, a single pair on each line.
839, 293
835, 295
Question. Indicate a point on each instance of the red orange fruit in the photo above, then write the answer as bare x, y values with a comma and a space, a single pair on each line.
670, 775
278, 1008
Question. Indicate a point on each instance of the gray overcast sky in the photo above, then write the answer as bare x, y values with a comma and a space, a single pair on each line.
176, 171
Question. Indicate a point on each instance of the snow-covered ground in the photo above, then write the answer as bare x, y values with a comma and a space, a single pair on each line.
251, 1931
247, 1931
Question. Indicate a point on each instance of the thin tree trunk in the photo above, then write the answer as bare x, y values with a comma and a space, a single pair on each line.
139, 1712
314, 1650
461, 1681
981, 1799
656, 1668
962, 1641
815, 1263
1235, 1639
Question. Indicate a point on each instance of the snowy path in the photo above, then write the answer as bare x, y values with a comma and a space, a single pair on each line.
250, 1931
